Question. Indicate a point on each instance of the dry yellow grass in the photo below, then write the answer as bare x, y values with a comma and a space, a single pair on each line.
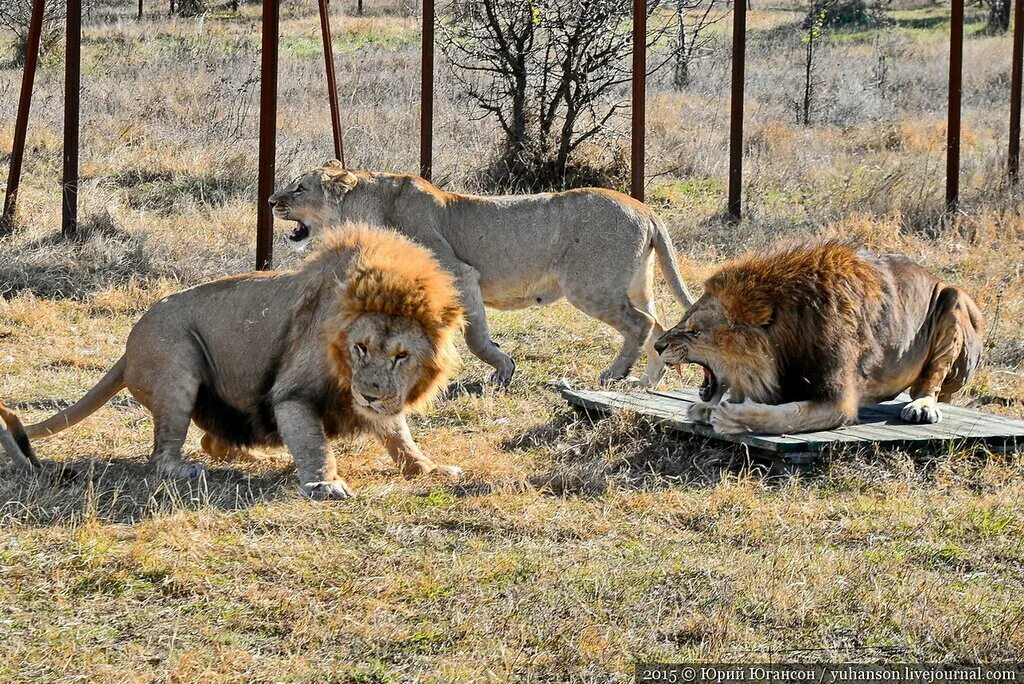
571, 549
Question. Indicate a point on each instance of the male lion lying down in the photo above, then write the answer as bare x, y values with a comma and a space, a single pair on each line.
346, 344
801, 338
594, 247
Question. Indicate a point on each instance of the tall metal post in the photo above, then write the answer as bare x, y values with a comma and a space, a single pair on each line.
139, 15
956, 58
332, 83
28, 78
639, 132
72, 96
268, 135
427, 92
1013, 158
739, 53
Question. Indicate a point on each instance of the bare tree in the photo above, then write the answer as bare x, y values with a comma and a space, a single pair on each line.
692, 39
998, 16
14, 18
551, 72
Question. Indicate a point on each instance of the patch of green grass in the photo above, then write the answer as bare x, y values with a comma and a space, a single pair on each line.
922, 24
701, 193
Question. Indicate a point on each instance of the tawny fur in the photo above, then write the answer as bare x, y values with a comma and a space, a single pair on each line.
823, 329
263, 358
594, 247
392, 275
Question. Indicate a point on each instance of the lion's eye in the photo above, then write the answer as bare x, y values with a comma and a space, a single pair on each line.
399, 357
360, 349
299, 190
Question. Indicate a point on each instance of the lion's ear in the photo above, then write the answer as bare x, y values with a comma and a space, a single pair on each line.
338, 179
333, 164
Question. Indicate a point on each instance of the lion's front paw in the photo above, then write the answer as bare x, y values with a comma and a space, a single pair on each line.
700, 412
921, 410
730, 419
331, 489
181, 469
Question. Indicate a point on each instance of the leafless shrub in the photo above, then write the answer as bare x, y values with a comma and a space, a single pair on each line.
693, 40
551, 73
15, 16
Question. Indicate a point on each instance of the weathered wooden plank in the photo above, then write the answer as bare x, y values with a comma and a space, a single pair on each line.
880, 423
672, 413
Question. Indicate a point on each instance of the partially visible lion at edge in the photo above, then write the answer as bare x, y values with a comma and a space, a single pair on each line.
360, 334
800, 338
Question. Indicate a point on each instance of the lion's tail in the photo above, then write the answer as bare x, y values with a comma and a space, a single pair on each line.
111, 384
16, 443
669, 266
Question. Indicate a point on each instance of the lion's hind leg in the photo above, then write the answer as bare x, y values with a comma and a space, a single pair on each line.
641, 294
953, 356
171, 404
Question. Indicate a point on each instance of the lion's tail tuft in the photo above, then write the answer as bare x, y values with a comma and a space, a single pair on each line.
15, 442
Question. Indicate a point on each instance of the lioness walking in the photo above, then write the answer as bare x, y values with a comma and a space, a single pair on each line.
594, 247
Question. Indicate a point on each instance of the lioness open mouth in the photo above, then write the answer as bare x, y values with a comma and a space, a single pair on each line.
299, 233
708, 388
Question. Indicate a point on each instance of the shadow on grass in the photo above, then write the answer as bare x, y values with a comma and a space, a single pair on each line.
163, 191
125, 491
97, 256
592, 454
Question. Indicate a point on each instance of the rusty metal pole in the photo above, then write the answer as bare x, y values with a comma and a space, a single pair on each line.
639, 132
28, 78
72, 102
427, 92
332, 83
139, 17
268, 135
956, 57
1013, 161
739, 53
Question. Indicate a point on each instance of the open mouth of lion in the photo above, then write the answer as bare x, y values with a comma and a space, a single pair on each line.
299, 233
709, 387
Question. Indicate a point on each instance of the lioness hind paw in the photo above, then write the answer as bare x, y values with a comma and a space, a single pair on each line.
503, 377
921, 414
420, 468
447, 470
332, 489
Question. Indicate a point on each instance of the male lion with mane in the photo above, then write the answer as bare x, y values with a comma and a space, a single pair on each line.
360, 334
594, 247
802, 337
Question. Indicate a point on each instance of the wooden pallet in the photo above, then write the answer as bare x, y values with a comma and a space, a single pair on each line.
877, 424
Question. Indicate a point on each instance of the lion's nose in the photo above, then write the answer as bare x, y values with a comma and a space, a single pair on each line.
273, 202
660, 346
